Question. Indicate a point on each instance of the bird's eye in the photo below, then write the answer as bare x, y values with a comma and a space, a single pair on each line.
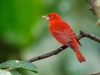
50, 17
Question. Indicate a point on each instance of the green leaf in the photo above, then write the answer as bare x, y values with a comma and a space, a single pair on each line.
14, 73
19, 65
4, 72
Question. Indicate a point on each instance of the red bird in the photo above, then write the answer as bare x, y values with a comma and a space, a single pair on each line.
63, 33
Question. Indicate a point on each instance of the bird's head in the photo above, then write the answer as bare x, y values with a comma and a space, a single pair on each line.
52, 17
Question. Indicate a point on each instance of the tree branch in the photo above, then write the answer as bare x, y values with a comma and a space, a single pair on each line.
55, 52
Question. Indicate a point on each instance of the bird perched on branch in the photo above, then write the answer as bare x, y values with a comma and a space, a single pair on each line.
63, 33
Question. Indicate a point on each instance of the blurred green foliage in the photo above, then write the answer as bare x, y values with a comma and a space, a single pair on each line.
24, 34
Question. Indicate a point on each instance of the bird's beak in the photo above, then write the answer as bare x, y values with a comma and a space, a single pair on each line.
45, 17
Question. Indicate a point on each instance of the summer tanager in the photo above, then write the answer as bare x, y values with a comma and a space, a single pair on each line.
63, 33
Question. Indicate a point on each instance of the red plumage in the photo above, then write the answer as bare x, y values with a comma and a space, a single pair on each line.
62, 32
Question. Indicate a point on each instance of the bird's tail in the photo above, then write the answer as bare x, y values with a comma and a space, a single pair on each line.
79, 56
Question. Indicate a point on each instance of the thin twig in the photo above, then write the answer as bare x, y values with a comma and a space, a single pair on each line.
91, 36
55, 52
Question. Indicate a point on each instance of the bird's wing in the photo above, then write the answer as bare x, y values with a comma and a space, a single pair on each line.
64, 37
76, 38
